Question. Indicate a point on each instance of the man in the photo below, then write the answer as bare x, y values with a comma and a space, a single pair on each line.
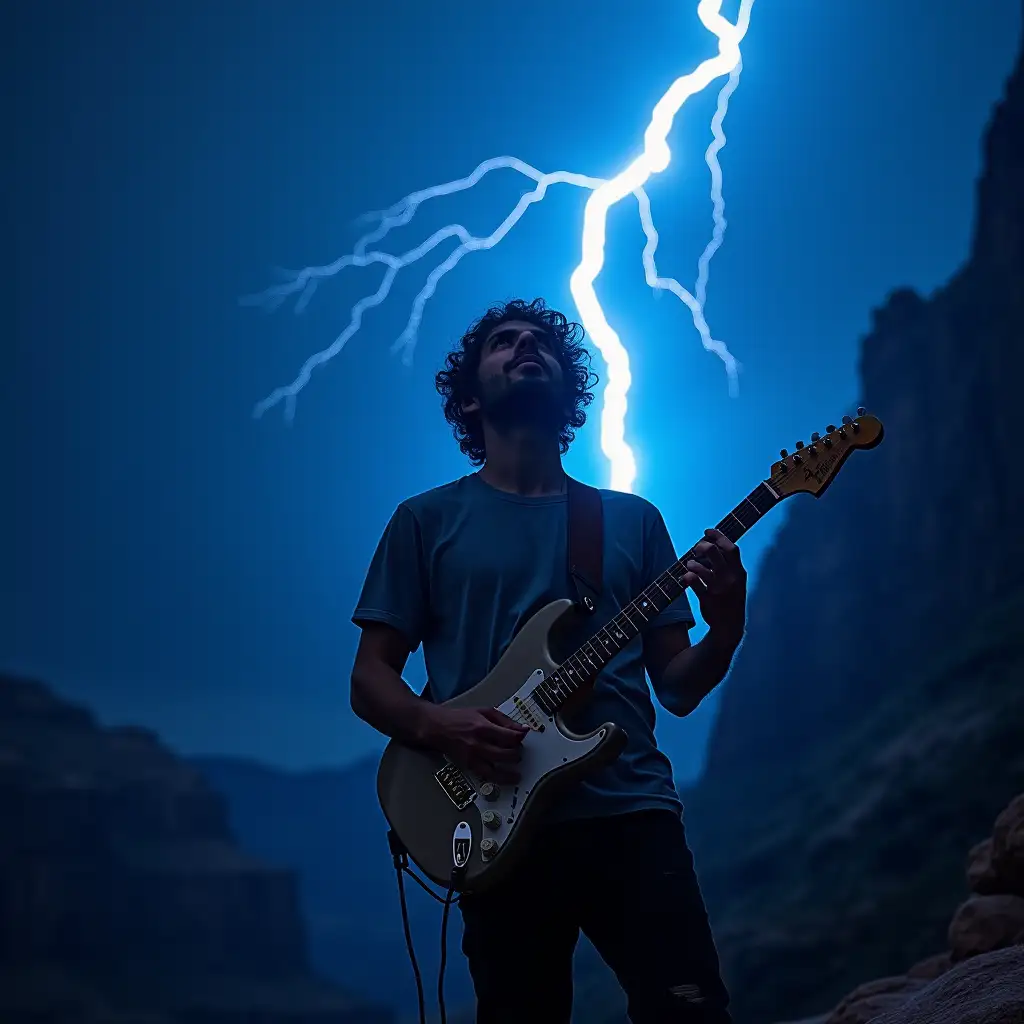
459, 569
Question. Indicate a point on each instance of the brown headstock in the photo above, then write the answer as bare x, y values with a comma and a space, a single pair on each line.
811, 468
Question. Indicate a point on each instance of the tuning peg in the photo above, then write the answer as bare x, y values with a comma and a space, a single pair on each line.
830, 428
815, 437
861, 411
847, 419
799, 445
784, 453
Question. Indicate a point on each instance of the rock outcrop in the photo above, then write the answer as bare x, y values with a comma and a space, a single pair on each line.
980, 978
122, 890
870, 577
327, 826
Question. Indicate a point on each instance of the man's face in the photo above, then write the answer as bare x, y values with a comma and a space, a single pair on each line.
520, 381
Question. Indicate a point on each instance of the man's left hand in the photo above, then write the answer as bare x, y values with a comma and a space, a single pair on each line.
719, 580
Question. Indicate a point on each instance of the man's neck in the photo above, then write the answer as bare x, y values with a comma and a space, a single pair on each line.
524, 465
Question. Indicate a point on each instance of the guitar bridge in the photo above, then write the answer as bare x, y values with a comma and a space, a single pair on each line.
456, 786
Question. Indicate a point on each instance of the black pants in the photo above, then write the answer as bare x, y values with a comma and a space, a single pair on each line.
628, 883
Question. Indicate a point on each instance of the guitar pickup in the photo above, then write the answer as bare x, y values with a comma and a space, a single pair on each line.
455, 784
525, 708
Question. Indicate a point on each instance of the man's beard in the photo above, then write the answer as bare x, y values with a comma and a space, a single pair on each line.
525, 403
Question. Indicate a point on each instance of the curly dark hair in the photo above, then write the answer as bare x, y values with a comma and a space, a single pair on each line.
455, 383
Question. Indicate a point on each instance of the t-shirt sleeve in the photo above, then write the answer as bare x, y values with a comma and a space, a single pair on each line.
659, 554
395, 590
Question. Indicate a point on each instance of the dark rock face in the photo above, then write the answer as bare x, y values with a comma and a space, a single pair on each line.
327, 826
875, 576
118, 869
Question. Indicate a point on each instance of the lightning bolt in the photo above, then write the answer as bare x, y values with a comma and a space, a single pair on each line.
604, 193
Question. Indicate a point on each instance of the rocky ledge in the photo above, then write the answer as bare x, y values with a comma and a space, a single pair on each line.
123, 896
979, 979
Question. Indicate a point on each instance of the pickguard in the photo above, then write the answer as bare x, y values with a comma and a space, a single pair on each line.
545, 749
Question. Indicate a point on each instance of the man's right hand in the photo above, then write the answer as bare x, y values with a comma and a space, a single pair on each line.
481, 740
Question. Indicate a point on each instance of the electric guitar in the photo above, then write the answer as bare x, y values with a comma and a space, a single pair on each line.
466, 833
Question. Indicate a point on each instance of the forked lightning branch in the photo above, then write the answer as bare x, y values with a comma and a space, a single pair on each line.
603, 194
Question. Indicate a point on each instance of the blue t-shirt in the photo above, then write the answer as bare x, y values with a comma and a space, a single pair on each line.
462, 567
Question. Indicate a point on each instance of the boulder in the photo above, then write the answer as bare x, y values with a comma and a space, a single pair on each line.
982, 924
987, 989
867, 1001
981, 876
1008, 847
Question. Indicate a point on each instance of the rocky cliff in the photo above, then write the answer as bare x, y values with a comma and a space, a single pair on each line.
871, 726
122, 893
912, 540
328, 827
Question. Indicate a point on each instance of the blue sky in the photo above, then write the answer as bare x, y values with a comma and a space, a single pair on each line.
178, 564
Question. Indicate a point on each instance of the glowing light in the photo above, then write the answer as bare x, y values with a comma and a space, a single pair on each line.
655, 158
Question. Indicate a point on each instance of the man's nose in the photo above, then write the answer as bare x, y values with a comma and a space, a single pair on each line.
527, 341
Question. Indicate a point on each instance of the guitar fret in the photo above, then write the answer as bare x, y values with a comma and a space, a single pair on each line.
580, 668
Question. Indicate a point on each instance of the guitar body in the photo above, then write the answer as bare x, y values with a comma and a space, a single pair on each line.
448, 819
439, 812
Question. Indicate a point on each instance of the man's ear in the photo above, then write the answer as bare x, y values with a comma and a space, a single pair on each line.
470, 406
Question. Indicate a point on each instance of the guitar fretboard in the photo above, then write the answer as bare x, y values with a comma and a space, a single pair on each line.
580, 669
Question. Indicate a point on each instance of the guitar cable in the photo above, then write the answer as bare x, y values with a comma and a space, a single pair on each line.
400, 860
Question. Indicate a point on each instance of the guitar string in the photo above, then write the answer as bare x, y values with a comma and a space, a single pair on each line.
615, 621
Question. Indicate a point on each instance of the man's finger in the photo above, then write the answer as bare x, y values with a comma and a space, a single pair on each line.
701, 571
507, 755
716, 559
500, 718
720, 541
499, 735
693, 581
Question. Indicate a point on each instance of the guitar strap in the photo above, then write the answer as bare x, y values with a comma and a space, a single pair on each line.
585, 542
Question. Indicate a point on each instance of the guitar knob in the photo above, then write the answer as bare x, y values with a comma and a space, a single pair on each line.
815, 437
799, 445
784, 453
488, 848
492, 819
830, 428
847, 419
489, 791
861, 411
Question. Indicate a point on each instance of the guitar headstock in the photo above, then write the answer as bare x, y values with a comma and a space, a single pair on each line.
811, 468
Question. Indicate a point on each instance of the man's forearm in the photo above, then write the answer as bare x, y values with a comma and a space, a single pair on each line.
383, 699
692, 674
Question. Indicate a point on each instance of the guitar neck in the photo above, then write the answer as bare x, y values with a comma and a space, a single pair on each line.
580, 670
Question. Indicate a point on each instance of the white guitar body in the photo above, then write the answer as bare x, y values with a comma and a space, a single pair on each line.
449, 820
446, 817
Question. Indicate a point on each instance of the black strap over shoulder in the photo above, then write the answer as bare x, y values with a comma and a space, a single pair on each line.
585, 542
